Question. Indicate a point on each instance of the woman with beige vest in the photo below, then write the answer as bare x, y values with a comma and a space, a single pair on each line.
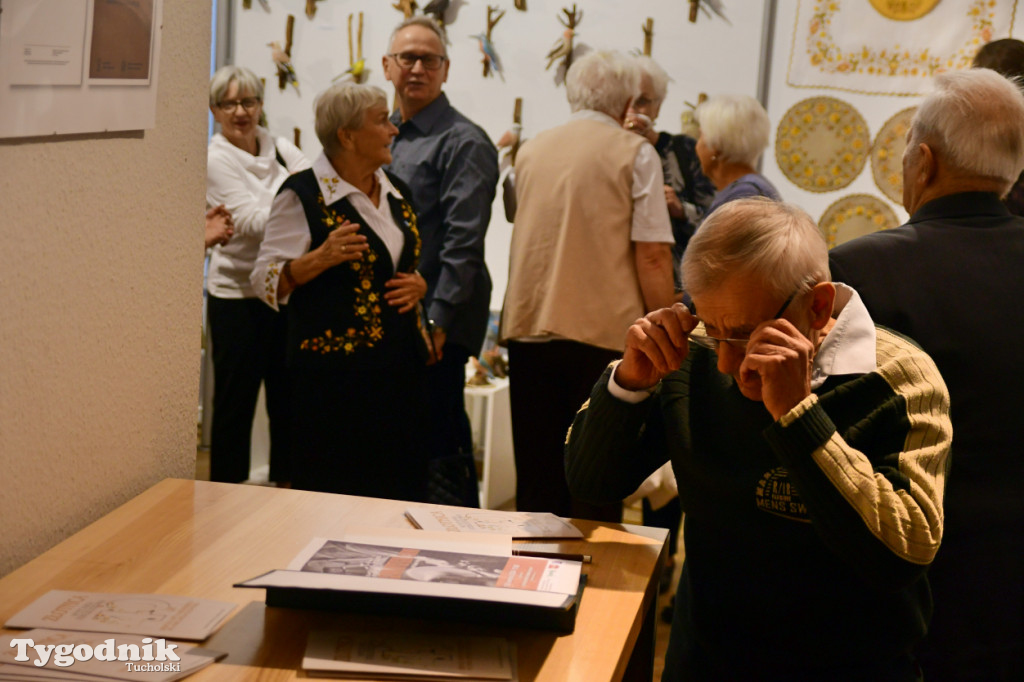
590, 253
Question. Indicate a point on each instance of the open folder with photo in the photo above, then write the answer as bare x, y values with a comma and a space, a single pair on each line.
424, 577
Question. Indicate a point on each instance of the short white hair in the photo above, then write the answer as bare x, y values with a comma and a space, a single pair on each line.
659, 77
776, 242
736, 127
974, 120
604, 81
226, 75
343, 106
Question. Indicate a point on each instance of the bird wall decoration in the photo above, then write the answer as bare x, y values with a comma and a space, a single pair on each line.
283, 62
562, 49
311, 8
356, 70
490, 56
437, 9
708, 6
490, 60
406, 7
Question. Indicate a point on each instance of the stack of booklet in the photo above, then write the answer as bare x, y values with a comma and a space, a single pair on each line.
459, 576
409, 656
89, 636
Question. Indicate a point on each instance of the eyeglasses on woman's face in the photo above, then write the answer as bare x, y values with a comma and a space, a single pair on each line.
407, 60
713, 343
228, 106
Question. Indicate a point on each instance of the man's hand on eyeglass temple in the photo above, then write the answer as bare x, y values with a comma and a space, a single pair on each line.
655, 347
778, 358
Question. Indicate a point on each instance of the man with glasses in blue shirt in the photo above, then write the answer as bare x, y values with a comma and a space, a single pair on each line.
451, 166
810, 449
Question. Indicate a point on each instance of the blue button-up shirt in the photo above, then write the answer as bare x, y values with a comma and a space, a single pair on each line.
451, 166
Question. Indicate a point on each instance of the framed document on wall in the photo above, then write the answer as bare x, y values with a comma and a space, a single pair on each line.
78, 66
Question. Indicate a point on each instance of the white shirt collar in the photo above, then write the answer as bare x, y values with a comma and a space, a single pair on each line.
592, 115
849, 348
334, 188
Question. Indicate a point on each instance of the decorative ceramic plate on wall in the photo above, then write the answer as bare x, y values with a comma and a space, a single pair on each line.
904, 10
855, 215
822, 144
887, 154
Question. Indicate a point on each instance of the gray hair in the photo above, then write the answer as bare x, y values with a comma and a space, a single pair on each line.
975, 120
426, 22
604, 81
736, 127
776, 242
659, 77
226, 75
343, 106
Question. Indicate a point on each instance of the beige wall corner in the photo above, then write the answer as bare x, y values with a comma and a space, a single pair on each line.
101, 276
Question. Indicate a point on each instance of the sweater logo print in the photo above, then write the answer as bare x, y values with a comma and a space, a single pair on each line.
776, 494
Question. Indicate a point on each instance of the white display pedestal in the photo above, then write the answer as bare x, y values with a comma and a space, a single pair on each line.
491, 420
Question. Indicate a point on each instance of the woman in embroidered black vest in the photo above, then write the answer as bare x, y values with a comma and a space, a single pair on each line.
341, 249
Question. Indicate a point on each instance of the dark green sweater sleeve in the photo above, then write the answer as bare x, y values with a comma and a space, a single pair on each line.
613, 446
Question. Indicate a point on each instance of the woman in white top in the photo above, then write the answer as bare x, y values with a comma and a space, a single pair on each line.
245, 168
341, 249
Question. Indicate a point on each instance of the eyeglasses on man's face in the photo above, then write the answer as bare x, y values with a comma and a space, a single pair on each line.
228, 106
712, 343
407, 60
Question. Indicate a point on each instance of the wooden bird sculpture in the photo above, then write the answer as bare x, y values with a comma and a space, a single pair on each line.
708, 6
437, 9
284, 64
510, 137
487, 49
561, 49
406, 7
354, 72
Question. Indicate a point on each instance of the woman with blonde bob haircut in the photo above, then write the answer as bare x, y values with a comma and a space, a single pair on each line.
734, 131
341, 249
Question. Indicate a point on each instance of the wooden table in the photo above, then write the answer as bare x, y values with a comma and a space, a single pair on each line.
198, 538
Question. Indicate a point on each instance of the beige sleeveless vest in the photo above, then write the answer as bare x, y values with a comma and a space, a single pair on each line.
572, 270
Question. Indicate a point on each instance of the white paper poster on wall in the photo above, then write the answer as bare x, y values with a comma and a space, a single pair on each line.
43, 41
890, 47
78, 66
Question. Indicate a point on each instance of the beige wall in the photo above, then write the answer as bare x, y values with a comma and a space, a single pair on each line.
100, 306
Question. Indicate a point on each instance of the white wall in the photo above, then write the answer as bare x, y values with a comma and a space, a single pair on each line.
100, 327
708, 56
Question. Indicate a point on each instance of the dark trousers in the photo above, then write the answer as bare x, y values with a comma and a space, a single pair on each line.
448, 430
247, 339
548, 383
360, 432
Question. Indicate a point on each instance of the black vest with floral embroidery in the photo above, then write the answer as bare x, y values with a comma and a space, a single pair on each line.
340, 318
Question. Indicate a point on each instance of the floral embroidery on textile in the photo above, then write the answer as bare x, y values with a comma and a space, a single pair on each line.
829, 58
366, 307
270, 283
331, 183
410, 220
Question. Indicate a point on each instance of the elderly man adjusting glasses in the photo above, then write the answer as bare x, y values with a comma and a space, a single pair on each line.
810, 448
